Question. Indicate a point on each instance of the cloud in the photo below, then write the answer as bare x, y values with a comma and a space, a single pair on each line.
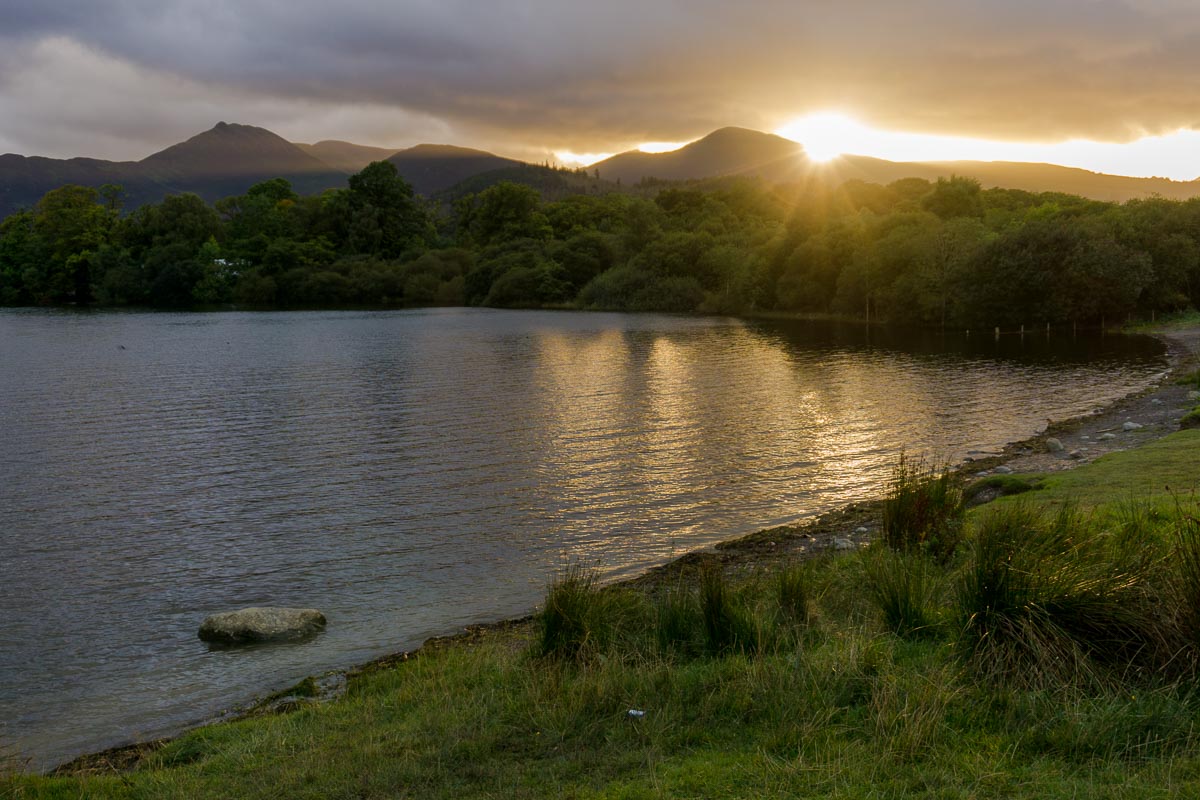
543, 75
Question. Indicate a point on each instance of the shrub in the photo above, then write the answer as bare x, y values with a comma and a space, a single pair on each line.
923, 511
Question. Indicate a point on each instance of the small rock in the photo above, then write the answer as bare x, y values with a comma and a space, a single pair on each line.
1054, 445
1075, 454
1003, 469
842, 544
1084, 437
266, 624
1108, 436
983, 474
862, 529
1193, 395
1156, 401
1132, 426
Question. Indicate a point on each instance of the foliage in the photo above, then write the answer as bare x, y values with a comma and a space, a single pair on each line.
947, 253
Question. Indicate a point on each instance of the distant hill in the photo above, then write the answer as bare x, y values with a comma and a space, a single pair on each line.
229, 159
223, 161
738, 151
432, 168
728, 151
552, 183
346, 156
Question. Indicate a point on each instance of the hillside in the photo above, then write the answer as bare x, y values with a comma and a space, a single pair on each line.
432, 168
738, 151
728, 151
228, 159
346, 156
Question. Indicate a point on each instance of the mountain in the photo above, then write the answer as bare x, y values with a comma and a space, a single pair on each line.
432, 168
223, 161
727, 151
229, 159
738, 151
346, 156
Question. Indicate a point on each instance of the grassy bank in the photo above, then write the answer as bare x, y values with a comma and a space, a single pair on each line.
1044, 645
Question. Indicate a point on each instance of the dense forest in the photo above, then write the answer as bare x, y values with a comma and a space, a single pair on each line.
944, 253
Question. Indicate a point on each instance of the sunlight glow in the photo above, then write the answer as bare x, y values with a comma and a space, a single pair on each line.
568, 159
660, 147
826, 135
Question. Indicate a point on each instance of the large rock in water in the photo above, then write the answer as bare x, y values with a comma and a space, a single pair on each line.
261, 625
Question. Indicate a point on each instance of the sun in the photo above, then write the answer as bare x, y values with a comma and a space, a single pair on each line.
826, 135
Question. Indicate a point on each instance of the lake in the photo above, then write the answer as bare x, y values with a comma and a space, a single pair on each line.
413, 472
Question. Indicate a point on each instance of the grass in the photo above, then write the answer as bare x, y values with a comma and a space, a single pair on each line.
1157, 472
1050, 656
923, 511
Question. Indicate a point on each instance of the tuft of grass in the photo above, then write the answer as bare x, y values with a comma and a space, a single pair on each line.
580, 619
904, 587
1048, 600
1190, 419
729, 625
1190, 378
792, 595
679, 627
923, 511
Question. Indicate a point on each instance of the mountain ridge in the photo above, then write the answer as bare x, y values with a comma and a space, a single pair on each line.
229, 158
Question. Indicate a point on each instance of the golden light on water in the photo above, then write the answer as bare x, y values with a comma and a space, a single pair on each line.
829, 134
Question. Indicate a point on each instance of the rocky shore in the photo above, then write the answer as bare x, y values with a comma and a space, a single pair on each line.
1153, 412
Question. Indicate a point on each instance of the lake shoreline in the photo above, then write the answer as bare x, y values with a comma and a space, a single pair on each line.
846, 528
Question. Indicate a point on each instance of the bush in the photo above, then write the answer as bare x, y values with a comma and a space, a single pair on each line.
923, 511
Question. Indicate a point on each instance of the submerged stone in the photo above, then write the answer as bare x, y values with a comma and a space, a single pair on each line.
261, 624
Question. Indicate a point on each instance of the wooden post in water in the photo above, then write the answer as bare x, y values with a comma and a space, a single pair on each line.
997, 333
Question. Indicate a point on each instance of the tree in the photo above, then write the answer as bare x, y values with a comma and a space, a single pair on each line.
955, 196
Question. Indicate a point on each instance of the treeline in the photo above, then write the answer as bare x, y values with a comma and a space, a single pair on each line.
913, 251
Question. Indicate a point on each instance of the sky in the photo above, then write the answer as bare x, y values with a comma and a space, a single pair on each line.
1087, 80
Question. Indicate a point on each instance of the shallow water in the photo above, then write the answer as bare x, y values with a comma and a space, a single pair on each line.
412, 472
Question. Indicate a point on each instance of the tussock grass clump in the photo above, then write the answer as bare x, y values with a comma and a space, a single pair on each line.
679, 628
1051, 599
923, 511
729, 624
580, 619
904, 587
792, 595
1191, 419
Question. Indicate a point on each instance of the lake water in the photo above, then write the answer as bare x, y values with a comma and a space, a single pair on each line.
412, 472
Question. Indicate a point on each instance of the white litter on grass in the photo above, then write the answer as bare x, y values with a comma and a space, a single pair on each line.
636, 713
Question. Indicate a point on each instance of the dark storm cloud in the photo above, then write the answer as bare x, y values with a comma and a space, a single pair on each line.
593, 76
